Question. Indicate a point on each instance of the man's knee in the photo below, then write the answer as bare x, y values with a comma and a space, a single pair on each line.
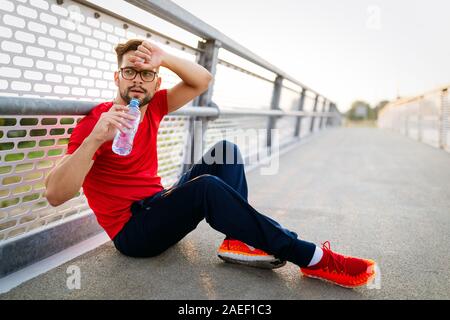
207, 180
227, 152
227, 145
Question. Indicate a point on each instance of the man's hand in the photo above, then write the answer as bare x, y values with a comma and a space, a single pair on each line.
148, 56
195, 78
108, 123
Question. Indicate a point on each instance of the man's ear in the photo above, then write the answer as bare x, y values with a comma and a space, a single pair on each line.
116, 78
158, 83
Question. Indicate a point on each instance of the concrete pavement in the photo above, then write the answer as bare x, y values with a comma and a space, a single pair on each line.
372, 193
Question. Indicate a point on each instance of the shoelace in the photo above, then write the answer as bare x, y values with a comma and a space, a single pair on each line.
335, 261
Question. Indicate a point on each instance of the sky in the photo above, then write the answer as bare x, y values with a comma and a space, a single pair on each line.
346, 50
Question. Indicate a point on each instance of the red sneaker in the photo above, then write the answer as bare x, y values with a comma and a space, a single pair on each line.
236, 251
345, 271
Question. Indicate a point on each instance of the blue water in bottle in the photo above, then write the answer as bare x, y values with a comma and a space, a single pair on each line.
123, 141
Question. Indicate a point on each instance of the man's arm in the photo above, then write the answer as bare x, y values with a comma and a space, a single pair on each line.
195, 78
66, 179
195, 81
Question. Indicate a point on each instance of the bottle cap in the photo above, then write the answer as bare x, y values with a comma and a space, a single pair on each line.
135, 102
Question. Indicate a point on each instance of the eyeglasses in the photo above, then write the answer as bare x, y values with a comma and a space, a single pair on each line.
130, 74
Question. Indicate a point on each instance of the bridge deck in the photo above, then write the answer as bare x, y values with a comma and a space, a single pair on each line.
372, 193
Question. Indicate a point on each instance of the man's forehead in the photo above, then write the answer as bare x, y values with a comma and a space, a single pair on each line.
127, 64
132, 66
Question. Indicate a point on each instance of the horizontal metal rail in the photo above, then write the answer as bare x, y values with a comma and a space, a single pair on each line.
151, 32
42, 106
173, 13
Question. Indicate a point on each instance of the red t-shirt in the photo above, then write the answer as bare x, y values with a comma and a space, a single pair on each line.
115, 182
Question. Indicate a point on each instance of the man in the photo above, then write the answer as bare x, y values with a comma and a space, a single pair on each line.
141, 217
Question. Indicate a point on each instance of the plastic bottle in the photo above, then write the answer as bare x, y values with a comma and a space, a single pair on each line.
123, 141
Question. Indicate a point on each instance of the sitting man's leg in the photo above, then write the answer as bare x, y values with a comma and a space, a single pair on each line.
173, 213
224, 160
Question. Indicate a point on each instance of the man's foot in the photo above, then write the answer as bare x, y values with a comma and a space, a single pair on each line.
345, 271
236, 251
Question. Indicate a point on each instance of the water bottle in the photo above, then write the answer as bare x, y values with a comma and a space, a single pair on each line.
123, 141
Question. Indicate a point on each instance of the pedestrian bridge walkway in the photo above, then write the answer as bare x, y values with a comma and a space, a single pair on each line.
371, 192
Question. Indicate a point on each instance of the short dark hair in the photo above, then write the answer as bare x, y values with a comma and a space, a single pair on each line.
122, 48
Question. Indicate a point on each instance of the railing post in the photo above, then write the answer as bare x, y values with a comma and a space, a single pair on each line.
332, 121
324, 107
443, 119
208, 58
274, 105
298, 121
329, 121
314, 110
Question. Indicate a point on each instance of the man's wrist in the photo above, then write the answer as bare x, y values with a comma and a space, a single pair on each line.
165, 60
92, 142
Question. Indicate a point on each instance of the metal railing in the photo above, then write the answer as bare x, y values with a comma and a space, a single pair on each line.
425, 118
56, 68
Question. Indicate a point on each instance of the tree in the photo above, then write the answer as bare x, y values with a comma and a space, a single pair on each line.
380, 106
359, 110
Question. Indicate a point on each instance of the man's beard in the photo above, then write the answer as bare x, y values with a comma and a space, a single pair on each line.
127, 97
